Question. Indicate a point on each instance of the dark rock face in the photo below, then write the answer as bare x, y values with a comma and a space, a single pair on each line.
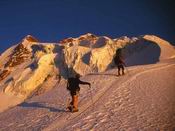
19, 55
4, 74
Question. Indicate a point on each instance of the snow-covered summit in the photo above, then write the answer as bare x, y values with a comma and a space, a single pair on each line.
30, 38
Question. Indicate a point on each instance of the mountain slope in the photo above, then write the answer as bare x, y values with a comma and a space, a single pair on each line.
27, 67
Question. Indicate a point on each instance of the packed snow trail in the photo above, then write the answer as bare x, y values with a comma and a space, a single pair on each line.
145, 102
122, 95
116, 99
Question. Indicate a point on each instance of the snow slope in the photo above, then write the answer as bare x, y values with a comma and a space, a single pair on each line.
140, 100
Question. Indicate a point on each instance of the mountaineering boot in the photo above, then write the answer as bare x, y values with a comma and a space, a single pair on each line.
74, 110
75, 103
70, 105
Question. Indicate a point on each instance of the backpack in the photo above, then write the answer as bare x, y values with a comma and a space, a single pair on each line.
118, 60
73, 84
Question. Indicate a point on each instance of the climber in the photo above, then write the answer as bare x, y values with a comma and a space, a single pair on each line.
119, 62
73, 87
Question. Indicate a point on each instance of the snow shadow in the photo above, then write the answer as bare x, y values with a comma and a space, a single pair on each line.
9, 80
86, 58
40, 105
32, 66
36, 48
85, 43
101, 42
141, 52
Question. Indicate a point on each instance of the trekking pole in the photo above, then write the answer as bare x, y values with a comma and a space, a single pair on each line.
92, 98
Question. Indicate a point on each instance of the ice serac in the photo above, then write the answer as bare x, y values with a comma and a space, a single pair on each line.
30, 65
29, 80
90, 53
26, 68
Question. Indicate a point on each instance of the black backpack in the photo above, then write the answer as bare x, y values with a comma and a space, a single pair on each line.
73, 84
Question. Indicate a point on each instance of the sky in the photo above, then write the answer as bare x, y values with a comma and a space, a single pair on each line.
53, 20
